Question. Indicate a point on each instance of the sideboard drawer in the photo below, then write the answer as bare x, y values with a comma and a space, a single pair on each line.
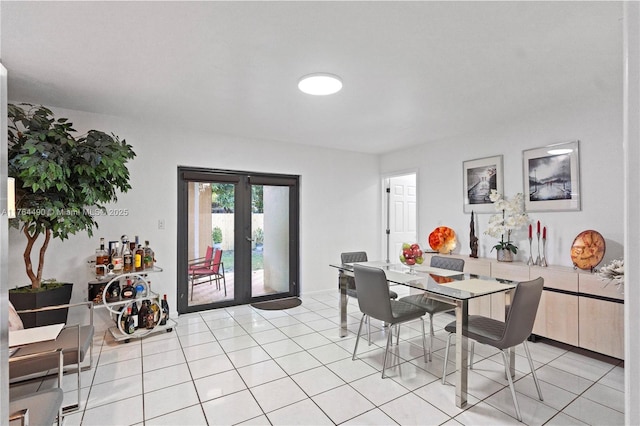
591, 284
560, 279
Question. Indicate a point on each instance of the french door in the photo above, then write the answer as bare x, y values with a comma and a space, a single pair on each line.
237, 238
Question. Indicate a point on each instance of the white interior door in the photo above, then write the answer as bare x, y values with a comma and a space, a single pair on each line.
402, 212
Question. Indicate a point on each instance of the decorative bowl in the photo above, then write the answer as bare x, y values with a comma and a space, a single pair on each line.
443, 239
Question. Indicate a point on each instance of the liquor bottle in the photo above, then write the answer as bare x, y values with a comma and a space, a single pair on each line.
127, 256
113, 292
165, 310
138, 259
116, 258
151, 320
157, 313
134, 314
102, 260
129, 324
149, 256
128, 291
141, 288
142, 314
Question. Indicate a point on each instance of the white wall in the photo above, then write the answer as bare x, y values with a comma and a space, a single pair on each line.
597, 123
338, 204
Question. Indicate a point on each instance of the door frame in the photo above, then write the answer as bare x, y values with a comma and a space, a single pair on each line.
385, 206
242, 245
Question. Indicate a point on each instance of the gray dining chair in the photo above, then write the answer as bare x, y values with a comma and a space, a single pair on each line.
434, 306
359, 256
374, 302
505, 335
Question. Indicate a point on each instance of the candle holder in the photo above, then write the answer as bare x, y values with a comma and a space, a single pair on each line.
530, 261
538, 259
543, 261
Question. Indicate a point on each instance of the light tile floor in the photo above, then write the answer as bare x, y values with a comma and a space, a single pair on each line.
241, 365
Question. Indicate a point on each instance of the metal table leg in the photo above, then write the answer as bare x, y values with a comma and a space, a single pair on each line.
342, 280
462, 319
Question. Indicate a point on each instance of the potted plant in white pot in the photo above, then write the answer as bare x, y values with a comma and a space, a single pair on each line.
510, 218
62, 181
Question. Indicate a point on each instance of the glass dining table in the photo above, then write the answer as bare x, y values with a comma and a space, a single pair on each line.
443, 285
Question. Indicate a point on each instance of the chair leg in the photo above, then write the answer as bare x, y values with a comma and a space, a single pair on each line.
224, 283
446, 358
369, 329
355, 349
505, 358
424, 343
431, 333
386, 351
397, 334
533, 370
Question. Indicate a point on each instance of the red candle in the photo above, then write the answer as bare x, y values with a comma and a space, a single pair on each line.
538, 227
530, 230
544, 233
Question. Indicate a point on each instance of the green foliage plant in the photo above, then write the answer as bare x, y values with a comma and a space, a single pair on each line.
63, 180
216, 235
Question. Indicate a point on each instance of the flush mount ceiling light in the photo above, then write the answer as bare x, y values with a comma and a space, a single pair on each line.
320, 84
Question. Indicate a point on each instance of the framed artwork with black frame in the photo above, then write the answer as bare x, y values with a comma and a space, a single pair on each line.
552, 178
479, 177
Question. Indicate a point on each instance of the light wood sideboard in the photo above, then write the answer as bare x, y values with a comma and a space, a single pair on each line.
576, 307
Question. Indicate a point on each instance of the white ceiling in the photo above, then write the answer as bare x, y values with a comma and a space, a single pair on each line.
413, 72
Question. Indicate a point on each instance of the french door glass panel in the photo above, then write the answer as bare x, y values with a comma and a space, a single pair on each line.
270, 245
211, 228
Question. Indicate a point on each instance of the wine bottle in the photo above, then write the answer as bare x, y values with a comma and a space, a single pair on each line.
138, 259
165, 310
135, 314
149, 256
102, 260
129, 325
128, 291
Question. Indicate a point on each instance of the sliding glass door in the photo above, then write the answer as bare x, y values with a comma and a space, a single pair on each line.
237, 239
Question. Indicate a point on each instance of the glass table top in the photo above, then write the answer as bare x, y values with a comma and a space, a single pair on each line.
444, 282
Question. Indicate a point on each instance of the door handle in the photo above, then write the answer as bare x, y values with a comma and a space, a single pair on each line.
249, 239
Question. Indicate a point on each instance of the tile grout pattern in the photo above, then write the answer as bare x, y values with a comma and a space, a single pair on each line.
240, 365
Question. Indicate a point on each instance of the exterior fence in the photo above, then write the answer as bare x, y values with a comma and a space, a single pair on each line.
225, 221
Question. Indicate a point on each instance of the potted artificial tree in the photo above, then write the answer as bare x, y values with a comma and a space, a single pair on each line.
62, 181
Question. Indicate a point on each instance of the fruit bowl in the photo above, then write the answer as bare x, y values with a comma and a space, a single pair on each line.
411, 255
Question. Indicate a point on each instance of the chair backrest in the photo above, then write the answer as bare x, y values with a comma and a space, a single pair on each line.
217, 260
522, 313
353, 256
208, 255
451, 263
373, 292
